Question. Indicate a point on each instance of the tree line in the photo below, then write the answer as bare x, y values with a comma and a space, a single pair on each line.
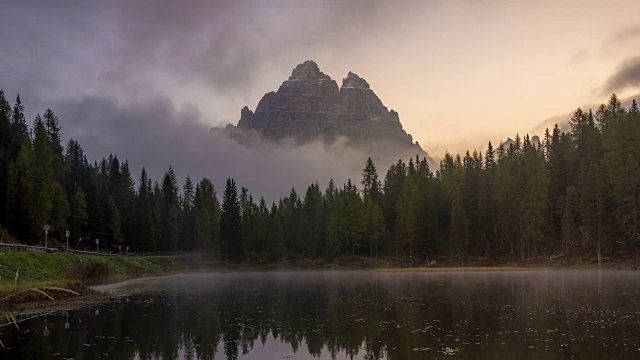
570, 193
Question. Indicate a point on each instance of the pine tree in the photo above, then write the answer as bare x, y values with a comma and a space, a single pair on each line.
5, 145
22, 201
505, 200
42, 181
208, 208
292, 222
203, 229
534, 203
593, 204
313, 220
188, 216
5, 122
114, 230
408, 217
170, 212
568, 208
79, 218
459, 230
126, 202
275, 249
375, 231
52, 125
18, 122
157, 205
338, 228
370, 181
622, 151
250, 224
356, 222
230, 224
392, 187
143, 231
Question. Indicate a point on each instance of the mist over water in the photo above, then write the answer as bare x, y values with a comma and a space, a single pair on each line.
360, 315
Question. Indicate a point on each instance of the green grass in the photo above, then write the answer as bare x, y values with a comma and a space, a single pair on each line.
43, 268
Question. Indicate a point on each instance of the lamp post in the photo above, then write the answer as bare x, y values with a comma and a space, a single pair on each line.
46, 235
97, 242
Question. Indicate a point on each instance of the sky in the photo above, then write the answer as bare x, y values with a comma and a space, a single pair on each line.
146, 79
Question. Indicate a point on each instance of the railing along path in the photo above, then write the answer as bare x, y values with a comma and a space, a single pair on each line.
19, 247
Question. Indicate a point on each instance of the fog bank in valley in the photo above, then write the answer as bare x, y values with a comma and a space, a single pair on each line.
155, 134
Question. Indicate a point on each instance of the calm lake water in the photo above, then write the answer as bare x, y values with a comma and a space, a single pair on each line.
359, 315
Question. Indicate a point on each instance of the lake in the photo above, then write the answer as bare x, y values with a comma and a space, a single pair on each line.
580, 314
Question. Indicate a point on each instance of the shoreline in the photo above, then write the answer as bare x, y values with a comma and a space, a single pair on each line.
99, 289
95, 294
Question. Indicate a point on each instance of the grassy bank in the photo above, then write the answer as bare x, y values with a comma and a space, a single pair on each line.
40, 269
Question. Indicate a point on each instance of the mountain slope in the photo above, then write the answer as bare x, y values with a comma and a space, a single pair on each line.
310, 107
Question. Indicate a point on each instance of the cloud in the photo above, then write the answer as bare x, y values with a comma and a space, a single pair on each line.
124, 46
579, 57
563, 120
626, 36
226, 44
627, 75
155, 134
117, 71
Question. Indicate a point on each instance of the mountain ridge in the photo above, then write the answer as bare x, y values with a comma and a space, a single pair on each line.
309, 106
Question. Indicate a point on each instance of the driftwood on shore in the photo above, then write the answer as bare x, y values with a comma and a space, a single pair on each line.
552, 257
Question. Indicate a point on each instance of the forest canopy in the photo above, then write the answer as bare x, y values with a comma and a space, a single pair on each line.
576, 192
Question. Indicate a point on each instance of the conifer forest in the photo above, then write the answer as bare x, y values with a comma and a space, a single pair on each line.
574, 195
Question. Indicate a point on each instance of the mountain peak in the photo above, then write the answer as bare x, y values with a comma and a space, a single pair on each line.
309, 107
308, 70
354, 81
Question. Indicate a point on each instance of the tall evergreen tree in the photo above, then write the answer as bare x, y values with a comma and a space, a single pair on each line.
143, 238
170, 212
208, 224
230, 224
370, 181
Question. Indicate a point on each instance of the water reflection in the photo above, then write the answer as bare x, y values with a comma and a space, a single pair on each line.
360, 315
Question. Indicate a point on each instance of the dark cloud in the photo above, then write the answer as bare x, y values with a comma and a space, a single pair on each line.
155, 134
627, 75
113, 71
224, 45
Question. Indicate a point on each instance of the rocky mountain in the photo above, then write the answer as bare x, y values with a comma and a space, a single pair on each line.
310, 107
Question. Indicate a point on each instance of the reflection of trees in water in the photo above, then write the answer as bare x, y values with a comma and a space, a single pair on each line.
368, 318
